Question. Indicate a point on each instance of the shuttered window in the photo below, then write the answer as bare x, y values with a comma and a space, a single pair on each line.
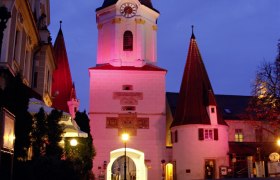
208, 134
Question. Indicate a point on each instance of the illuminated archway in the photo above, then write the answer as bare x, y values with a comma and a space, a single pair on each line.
136, 156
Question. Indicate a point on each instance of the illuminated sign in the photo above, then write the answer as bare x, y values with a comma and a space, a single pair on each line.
8, 130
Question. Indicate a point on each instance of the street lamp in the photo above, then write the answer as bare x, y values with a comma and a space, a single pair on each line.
125, 138
73, 142
278, 142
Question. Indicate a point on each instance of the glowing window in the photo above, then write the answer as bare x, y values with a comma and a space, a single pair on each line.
127, 41
238, 135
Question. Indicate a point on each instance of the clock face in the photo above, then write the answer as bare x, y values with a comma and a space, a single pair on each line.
128, 10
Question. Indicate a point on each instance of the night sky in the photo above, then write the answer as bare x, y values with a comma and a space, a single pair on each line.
234, 38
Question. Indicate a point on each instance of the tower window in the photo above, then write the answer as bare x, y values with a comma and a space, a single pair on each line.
127, 41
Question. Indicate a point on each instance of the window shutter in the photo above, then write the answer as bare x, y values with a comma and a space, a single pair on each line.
200, 134
176, 136
216, 134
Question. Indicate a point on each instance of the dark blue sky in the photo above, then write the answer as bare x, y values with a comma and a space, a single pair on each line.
234, 38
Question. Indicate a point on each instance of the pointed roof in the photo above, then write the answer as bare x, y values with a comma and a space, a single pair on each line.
107, 3
196, 92
62, 80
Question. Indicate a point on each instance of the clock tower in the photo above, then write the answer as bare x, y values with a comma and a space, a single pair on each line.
127, 93
127, 32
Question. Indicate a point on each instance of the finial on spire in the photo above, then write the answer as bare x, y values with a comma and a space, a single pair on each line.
60, 22
193, 37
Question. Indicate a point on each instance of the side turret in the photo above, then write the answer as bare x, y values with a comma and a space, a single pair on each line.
200, 143
73, 103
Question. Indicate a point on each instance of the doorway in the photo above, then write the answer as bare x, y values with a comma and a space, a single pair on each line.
118, 169
210, 169
136, 167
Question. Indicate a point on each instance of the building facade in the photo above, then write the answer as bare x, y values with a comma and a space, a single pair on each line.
26, 47
127, 92
193, 134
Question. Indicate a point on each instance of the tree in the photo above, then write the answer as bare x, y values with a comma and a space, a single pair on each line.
83, 154
265, 102
46, 134
39, 133
54, 134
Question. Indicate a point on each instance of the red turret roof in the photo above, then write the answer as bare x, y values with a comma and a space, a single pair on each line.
62, 81
196, 92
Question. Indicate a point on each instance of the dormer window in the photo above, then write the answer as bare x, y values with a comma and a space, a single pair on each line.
127, 41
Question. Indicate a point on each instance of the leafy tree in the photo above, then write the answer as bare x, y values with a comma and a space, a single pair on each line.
46, 134
54, 134
39, 133
83, 154
265, 102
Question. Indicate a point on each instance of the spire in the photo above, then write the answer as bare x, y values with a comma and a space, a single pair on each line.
62, 80
196, 91
192, 37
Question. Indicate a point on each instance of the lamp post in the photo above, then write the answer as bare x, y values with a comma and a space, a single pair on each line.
125, 138
4, 17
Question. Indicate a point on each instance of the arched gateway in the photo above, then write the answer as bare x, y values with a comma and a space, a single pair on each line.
135, 161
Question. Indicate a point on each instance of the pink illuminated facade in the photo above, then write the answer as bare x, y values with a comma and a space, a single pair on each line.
127, 94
